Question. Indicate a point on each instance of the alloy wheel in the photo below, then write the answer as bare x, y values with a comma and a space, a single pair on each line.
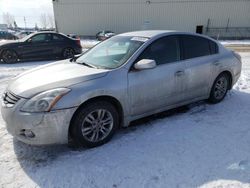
68, 53
97, 125
220, 88
9, 56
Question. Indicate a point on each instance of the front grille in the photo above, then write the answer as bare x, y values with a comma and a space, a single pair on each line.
10, 99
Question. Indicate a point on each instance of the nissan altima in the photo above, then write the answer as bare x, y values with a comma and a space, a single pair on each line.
126, 77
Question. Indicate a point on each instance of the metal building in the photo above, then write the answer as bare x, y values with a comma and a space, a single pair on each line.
212, 17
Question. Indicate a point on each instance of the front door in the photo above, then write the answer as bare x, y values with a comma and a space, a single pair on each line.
153, 89
37, 47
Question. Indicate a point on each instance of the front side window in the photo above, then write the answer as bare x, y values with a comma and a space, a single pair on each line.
111, 53
164, 50
40, 38
194, 46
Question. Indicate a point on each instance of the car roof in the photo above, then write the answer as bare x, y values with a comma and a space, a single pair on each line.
155, 33
47, 32
148, 33
50, 32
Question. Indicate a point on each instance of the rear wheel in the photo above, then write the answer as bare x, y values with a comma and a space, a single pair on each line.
68, 53
220, 88
94, 124
9, 56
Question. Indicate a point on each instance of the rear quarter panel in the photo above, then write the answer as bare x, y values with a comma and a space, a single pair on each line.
227, 62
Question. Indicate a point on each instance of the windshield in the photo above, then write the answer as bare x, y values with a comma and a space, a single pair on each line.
112, 53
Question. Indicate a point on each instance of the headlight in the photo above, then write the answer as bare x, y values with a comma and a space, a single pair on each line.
45, 101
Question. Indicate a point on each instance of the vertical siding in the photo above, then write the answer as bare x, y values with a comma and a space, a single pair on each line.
87, 17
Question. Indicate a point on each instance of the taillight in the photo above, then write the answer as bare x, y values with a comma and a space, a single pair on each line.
78, 42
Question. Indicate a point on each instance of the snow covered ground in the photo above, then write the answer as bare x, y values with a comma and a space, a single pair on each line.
204, 146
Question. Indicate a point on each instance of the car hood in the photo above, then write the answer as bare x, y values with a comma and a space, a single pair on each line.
56, 75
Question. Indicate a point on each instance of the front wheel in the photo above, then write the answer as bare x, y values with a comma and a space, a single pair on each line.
94, 124
220, 88
9, 56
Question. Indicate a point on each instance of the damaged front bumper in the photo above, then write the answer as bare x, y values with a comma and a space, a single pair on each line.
38, 128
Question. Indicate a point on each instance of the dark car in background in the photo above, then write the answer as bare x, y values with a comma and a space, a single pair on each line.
7, 35
103, 35
41, 45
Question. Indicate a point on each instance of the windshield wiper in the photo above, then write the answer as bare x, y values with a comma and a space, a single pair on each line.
86, 64
74, 58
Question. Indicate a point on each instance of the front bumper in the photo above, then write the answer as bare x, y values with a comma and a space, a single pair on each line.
47, 128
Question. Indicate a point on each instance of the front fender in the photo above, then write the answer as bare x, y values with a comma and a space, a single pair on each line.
106, 86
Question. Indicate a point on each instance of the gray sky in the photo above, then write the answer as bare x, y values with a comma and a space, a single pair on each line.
31, 9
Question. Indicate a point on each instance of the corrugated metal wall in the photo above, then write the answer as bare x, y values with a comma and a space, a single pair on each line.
87, 17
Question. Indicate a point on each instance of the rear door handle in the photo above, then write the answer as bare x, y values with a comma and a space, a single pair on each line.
179, 73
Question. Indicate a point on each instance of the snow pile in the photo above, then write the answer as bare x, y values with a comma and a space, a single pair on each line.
205, 146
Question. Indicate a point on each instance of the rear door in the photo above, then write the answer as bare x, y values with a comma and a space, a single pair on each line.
199, 56
153, 89
38, 46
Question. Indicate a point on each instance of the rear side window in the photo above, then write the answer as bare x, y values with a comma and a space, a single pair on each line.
164, 50
194, 46
58, 37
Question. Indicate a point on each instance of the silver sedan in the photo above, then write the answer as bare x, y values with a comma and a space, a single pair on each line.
127, 77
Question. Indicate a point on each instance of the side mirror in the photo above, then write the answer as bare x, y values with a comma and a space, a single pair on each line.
145, 64
29, 40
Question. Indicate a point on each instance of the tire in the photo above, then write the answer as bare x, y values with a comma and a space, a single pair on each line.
98, 118
9, 56
68, 53
220, 88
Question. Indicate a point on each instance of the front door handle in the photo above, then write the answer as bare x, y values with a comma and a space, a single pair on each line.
179, 73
